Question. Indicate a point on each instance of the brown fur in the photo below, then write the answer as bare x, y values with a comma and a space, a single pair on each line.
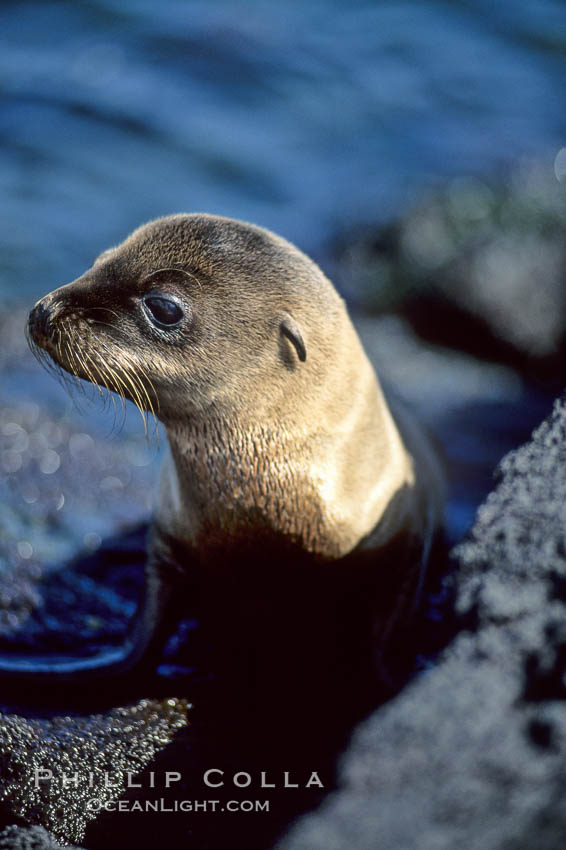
277, 426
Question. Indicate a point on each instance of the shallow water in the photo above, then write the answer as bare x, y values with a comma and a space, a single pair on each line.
306, 118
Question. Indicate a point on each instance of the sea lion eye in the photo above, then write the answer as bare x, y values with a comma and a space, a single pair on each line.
162, 311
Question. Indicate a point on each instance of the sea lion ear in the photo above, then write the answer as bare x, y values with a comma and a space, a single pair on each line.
289, 328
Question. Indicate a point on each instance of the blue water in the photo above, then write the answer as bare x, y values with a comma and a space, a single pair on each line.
306, 117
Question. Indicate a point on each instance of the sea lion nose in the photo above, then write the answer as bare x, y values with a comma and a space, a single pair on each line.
39, 321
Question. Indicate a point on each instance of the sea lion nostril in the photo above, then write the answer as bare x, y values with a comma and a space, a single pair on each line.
39, 321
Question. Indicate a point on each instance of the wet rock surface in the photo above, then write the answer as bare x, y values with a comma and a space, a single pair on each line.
471, 753
45, 762
30, 838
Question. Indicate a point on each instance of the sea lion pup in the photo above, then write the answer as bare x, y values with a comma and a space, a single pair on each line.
286, 473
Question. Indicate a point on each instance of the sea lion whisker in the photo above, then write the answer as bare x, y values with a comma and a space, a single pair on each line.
116, 384
131, 372
111, 364
106, 376
97, 376
72, 380
148, 408
122, 367
152, 401
114, 328
90, 370
140, 382
105, 310
72, 361
135, 394
58, 343
141, 375
140, 392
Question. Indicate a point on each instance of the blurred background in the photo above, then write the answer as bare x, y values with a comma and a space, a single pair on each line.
310, 118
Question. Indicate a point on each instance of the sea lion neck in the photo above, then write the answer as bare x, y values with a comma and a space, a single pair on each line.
234, 478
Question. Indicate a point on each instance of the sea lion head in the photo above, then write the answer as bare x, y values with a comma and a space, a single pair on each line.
191, 314
244, 350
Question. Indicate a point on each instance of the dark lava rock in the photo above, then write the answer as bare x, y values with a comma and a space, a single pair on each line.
471, 754
122, 741
480, 266
29, 838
